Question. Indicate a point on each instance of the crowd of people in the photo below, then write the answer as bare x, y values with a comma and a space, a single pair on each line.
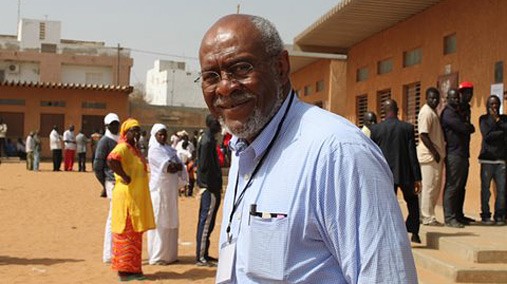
143, 187
444, 143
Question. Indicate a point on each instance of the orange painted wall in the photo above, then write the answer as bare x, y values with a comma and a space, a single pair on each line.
481, 29
333, 75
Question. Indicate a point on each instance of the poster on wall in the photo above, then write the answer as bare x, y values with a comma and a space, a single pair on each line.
444, 84
497, 90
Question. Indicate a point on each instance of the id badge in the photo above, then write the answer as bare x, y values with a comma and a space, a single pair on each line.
226, 263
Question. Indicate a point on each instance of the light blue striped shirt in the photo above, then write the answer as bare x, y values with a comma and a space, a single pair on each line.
343, 223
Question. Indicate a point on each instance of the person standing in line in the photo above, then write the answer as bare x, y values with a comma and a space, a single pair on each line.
69, 152
36, 150
30, 145
369, 119
466, 90
165, 169
55, 144
457, 131
209, 179
492, 158
396, 139
431, 155
105, 175
309, 197
94, 139
3, 134
132, 211
81, 142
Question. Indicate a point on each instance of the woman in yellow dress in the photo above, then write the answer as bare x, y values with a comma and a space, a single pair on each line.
132, 211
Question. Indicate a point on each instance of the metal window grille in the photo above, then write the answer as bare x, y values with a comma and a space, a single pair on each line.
361, 109
412, 105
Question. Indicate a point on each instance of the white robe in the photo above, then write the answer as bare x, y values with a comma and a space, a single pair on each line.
163, 241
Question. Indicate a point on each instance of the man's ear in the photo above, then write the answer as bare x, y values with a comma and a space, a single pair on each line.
283, 66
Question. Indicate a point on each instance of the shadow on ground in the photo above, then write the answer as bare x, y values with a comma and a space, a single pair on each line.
9, 260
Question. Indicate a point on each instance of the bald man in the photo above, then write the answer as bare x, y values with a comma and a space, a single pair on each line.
396, 139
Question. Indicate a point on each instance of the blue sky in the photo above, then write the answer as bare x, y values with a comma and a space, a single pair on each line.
162, 26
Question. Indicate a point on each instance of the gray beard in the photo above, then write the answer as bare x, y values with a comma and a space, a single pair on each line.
256, 122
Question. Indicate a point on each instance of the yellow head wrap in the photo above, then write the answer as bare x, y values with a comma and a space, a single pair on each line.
126, 125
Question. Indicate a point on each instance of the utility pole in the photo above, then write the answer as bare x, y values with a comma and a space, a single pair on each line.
237, 8
118, 66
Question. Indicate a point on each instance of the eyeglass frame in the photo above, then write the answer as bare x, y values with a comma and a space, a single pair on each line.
230, 74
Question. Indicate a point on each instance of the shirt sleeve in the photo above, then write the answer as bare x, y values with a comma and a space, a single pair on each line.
118, 153
360, 218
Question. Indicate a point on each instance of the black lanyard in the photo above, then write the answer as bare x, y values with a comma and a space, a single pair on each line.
256, 169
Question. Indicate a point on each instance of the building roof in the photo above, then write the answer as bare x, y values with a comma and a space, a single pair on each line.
52, 85
299, 59
352, 21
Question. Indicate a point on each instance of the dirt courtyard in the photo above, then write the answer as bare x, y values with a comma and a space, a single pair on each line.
53, 228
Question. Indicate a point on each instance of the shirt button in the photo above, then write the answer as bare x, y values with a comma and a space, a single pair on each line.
246, 177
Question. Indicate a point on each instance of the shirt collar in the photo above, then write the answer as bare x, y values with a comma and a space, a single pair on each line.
261, 142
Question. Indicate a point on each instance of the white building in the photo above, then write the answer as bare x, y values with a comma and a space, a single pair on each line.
169, 84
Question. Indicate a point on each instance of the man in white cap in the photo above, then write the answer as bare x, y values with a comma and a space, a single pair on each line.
104, 174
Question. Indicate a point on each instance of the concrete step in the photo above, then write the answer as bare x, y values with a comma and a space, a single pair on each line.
456, 269
468, 243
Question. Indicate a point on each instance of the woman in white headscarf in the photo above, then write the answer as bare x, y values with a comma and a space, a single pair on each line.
166, 169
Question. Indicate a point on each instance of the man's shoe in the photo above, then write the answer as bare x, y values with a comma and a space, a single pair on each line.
434, 223
204, 262
209, 258
488, 222
468, 220
415, 239
454, 224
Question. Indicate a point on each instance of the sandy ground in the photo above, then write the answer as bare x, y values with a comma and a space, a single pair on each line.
52, 228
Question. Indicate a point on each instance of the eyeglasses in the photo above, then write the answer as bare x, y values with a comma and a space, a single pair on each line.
238, 71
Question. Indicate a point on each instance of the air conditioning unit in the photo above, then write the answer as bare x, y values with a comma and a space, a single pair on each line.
13, 68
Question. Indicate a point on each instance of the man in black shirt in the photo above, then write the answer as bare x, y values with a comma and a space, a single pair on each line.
457, 131
492, 159
209, 179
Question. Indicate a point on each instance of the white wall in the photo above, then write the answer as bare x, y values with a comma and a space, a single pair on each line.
166, 84
23, 71
81, 74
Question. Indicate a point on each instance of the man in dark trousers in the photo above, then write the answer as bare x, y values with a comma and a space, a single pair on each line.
209, 179
397, 141
105, 175
492, 158
457, 130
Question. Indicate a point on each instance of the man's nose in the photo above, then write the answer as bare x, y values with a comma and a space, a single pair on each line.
226, 86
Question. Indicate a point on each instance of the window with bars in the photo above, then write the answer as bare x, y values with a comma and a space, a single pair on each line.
361, 109
412, 105
382, 96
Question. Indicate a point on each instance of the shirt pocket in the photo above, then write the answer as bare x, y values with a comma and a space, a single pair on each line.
266, 248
